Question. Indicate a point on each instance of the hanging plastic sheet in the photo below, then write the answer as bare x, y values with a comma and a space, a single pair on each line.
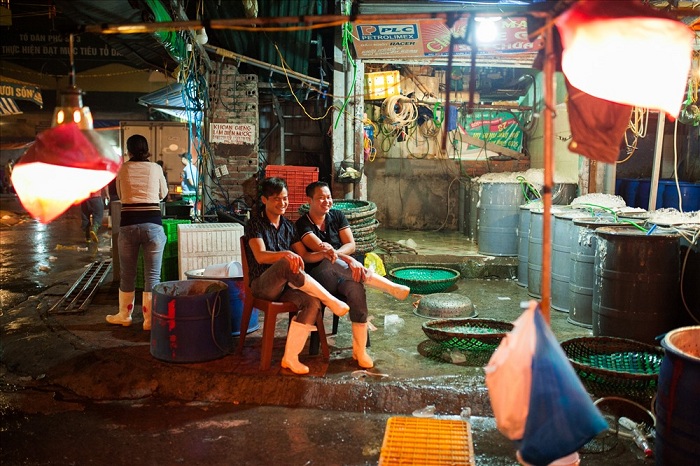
509, 377
560, 416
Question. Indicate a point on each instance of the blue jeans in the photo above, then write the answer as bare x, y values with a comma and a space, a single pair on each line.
91, 206
337, 279
131, 238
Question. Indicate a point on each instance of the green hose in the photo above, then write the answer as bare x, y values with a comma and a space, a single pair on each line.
617, 220
527, 187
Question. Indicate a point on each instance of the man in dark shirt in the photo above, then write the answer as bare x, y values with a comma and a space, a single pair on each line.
277, 273
326, 243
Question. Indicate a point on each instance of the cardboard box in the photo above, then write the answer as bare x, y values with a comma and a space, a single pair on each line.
428, 85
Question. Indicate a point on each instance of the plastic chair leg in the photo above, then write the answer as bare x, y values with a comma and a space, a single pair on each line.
267, 342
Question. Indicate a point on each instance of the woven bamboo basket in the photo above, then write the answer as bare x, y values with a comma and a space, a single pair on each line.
425, 279
611, 364
467, 334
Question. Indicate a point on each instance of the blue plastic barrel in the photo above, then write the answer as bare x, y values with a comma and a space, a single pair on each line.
524, 242
644, 190
534, 254
191, 321
236, 294
677, 407
629, 192
499, 213
690, 194
619, 185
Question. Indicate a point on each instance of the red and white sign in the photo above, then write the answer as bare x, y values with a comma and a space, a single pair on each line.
427, 38
232, 133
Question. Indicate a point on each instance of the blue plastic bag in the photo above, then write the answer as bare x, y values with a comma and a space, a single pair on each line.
561, 416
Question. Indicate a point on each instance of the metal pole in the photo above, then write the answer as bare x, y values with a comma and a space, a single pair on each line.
661, 123
549, 88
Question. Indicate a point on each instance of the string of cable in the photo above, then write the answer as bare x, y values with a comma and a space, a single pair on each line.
285, 65
195, 97
638, 125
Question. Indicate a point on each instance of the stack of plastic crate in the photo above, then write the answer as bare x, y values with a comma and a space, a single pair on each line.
169, 268
297, 178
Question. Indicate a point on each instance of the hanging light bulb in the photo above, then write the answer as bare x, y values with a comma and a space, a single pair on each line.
201, 36
626, 52
486, 29
67, 162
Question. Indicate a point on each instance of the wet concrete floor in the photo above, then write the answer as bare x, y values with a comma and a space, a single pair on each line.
339, 411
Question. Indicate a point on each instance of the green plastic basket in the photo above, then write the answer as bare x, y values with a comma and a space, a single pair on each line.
424, 279
170, 228
467, 334
611, 364
352, 208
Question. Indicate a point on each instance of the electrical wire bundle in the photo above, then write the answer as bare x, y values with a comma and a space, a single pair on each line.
638, 127
399, 111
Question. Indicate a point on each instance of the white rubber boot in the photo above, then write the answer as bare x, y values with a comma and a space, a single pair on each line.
314, 288
146, 306
126, 307
387, 286
359, 345
296, 339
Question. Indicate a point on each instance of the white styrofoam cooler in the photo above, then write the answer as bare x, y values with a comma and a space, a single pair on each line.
203, 244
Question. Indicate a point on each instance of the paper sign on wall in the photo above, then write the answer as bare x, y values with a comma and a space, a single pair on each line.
232, 133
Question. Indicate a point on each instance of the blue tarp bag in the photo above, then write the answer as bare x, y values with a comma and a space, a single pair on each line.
561, 417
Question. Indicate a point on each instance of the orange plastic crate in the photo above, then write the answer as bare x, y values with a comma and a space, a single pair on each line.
426, 442
297, 178
293, 210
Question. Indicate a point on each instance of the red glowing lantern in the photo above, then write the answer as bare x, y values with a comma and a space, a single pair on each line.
626, 52
65, 164
62, 168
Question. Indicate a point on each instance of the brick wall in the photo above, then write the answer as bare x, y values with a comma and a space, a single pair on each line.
474, 168
234, 99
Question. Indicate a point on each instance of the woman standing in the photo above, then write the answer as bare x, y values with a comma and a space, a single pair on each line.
141, 186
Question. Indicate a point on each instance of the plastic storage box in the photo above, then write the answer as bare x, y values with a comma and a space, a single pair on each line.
204, 244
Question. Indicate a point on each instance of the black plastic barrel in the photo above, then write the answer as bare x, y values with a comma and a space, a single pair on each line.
499, 211
584, 243
678, 399
191, 321
637, 283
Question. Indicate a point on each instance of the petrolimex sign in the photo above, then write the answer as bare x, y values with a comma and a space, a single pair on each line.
430, 38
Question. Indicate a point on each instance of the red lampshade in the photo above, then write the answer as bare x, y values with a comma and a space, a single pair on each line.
63, 166
626, 52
